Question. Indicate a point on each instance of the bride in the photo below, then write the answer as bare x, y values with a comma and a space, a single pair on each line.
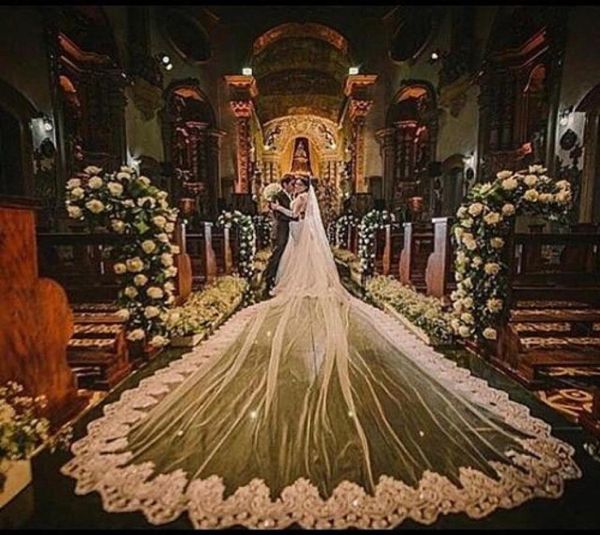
315, 409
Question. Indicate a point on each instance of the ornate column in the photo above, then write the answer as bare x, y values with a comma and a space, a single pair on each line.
242, 90
358, 90
385, 138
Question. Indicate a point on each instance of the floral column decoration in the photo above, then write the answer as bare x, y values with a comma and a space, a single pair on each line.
484, 221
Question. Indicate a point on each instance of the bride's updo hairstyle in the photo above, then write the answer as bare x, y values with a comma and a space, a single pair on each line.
305, 181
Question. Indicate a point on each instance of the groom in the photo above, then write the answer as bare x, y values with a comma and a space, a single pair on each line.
281, 228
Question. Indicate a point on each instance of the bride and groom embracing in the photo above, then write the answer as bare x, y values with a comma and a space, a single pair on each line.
313, 408
287, 207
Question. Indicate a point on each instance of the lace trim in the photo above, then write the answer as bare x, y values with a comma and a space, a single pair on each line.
163, 498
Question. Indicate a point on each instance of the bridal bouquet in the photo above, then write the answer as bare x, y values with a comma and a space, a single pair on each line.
271, 191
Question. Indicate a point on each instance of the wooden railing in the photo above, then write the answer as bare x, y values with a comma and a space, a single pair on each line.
439, 273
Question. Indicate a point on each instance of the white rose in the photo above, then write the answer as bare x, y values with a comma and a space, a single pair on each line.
136, 334
162, 195
467, 317
464, 331
120, 268
169, 286
115, 188
531, 195
95, 206
123, 176
171, 271
169, 227
130, 292
563, 196
123, 314
154, 292
467, 223
493, 218
509, 184
494, 305
504, 174
485, 188
563, 184
142, 201
166, 259
490, 333
74, 212
148, 246
144, 180
497, 243
77, 193
117, 225
128, 203
140, 279
458, 232
162, 237
159, 221
92, 170
457, 306
468, 302
475, 209
508, 209
175, 249
492, 268
455, 324
126, 169
467, 283
462, 212
170, 300
151, 312
73, 183
135, 264
546, 197
95, 182
477, 261
538, 169
530, 180
158, 341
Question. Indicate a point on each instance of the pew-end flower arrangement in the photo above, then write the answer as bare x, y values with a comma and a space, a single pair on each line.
483, 223
247, 232
370, 223
424, 312
138, 212
205, 310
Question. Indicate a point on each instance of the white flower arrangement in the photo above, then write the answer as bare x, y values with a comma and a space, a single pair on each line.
370, 223
247, 240
423, 311
22, 429
203, 310
135, 209
480, 272
343, 225
271, 190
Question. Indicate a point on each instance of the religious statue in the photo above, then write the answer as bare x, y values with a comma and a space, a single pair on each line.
300, 161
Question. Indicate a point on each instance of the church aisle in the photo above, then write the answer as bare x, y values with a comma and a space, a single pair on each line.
55, 506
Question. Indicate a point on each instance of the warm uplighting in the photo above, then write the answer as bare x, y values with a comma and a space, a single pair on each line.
165, 59
435, 55
352, 71
247, 71
169, 66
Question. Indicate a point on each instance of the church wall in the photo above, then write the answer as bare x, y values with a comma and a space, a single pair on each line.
22, 29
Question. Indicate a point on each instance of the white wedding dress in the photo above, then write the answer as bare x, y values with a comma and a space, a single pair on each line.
318, 410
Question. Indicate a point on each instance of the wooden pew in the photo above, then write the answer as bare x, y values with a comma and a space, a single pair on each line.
36, 321
554, 302
418, 245
439, 274
388, 247
199, 246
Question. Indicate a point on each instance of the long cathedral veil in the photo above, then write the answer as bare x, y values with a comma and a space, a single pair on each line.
314, 408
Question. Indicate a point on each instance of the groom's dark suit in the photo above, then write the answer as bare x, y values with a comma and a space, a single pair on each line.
281, 230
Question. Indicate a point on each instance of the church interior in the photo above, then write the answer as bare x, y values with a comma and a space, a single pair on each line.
408, 120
